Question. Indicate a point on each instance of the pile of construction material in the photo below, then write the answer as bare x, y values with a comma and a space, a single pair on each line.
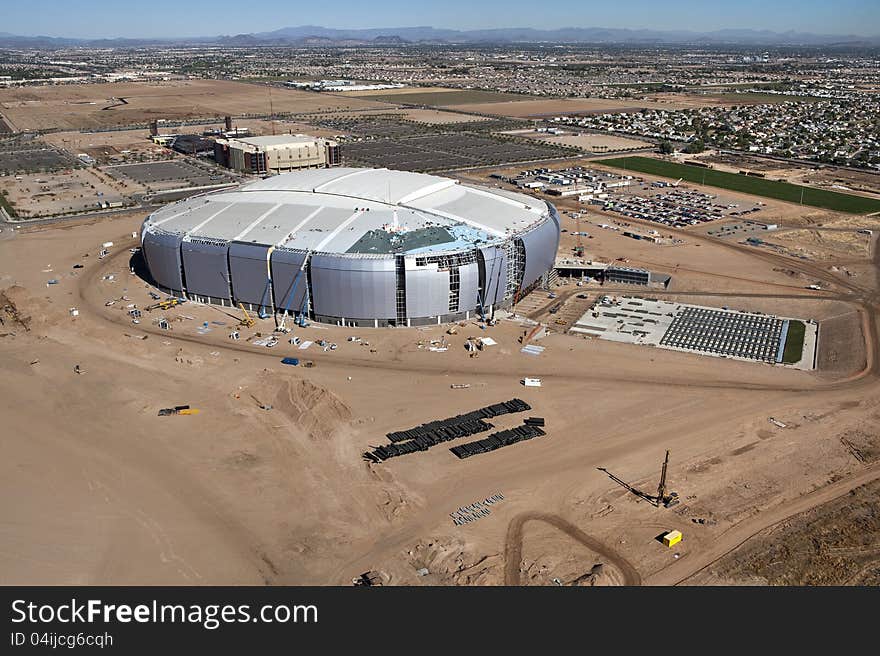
422, 438
530, 429
475, 511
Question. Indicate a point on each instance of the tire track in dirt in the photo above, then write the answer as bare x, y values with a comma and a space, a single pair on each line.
514, 544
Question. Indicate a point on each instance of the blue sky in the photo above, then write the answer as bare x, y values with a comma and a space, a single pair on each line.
156, 18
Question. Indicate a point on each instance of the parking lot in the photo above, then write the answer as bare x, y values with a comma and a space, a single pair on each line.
24, 155
711, 331
435, 152
677, 208
371, 126
402, 155
156, 176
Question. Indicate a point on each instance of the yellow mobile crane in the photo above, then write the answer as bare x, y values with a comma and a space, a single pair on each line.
248, 320
664, 499
163, 305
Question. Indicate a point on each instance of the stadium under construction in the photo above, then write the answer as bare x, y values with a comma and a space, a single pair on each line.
355, 247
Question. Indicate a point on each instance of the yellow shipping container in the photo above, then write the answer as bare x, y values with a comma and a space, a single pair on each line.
672, 538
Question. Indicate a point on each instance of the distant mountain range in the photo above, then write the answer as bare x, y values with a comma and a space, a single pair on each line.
307, 35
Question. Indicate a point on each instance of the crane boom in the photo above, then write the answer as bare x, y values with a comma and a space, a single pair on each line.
661, 489
247, 320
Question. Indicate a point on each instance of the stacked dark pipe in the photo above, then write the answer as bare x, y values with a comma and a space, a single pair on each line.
501, 438
422, 438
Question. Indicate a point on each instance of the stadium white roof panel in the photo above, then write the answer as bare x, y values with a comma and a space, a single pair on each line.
331, 210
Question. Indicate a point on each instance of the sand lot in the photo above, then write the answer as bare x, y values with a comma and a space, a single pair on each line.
436, 117
105, 491
559, 107
107, 147
47, 194
594, 143
95, 105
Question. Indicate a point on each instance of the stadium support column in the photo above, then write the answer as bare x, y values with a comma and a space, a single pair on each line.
400, 270
269, 287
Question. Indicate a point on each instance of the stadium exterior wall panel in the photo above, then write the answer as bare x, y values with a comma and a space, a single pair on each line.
162, 254
194, 252
496, 274
290, 292
351, 287
206, 268
541, 244
468, 287
249, 269
427, 290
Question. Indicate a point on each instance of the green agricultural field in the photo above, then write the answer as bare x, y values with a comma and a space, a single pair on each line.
6, 206
830, 200
443, 98
794, 342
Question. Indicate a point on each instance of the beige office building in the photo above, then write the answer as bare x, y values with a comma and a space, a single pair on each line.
276, 154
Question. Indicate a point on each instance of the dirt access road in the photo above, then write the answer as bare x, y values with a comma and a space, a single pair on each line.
280, 505
688, 566
514, 545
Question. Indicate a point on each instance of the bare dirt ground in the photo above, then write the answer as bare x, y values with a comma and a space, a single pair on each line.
100, 489
366, 93
598, 143
696, 100
95, 105
826, 244
108, 147
808, 173
436, 117
560, 106
47, 194
836, 543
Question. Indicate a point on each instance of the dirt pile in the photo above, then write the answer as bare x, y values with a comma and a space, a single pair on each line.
444, 561
18, 311
317, 411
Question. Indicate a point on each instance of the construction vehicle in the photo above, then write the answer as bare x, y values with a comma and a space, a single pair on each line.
300, 320
579, 248
260, 404
178, 410
164, 305
664, 499
367, 579
247, 321
667, 500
